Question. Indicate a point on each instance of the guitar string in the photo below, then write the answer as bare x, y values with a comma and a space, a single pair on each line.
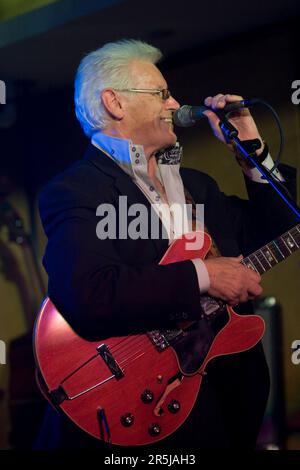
127, 345
140, 340
128, 341
282, 243
138, 347
124, 362
126, 349
141, 346
124, 368
131, 348
144, 348
123, 342
96, 355
129, 360
143, 341
146, 345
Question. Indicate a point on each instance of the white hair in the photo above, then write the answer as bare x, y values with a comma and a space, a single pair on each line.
108, 66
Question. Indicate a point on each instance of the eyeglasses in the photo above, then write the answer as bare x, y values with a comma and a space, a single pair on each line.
164, 94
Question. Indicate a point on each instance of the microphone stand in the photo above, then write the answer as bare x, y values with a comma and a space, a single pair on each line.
247, 150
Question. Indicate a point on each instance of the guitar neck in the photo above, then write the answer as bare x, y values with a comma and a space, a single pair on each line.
274, 252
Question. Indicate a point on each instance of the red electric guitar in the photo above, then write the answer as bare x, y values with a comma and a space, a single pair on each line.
136, 390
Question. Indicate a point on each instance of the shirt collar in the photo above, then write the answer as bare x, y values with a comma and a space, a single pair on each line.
129, 155
126, 154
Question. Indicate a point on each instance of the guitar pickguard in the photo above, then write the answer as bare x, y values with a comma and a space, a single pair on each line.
193, 344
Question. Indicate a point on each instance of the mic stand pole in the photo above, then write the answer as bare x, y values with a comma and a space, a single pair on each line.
247, 150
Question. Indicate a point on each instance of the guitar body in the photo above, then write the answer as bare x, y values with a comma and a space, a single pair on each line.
136, 390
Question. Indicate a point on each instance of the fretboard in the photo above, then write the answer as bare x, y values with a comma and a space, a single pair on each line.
274, 252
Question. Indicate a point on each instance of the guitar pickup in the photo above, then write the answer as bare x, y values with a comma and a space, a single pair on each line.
110, 361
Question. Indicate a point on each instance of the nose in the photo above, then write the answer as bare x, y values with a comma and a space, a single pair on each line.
171, 103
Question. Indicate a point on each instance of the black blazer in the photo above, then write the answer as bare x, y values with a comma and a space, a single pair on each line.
116, 285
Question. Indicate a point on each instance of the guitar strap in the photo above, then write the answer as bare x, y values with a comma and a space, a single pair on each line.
214, 250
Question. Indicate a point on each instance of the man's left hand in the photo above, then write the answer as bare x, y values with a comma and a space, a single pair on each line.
240, 118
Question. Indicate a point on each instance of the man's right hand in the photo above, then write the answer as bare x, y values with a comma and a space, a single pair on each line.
231, 281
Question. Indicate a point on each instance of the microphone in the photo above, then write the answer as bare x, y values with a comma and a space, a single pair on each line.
187, 116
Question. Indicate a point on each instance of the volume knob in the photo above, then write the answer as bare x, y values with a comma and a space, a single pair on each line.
127, 420
174, 406
147, 396
154, 430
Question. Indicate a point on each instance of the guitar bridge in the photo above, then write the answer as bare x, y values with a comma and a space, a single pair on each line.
110, 361
158, 339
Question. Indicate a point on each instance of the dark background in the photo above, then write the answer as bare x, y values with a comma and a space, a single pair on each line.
248, 48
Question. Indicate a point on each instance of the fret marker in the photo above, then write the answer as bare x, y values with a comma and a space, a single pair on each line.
269, 256
290, 243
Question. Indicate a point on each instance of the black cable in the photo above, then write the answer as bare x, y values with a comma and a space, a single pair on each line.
270, 172
281, 143
255, 101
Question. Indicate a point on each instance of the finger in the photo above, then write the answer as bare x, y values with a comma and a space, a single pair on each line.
218, 101
231, 98
208, 101
228, 98
244, 297
254, 275
236, 259
213, 118
255, 290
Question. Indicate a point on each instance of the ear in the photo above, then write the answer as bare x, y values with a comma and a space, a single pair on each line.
112, 103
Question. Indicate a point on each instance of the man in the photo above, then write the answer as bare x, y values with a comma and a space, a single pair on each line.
115, 285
